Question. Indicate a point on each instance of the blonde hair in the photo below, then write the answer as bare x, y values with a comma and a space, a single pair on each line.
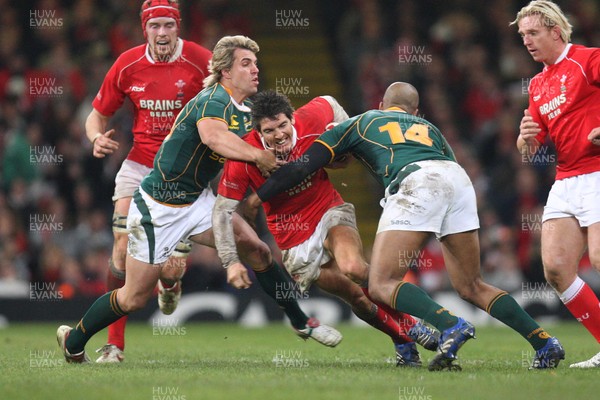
550, 16
222, 58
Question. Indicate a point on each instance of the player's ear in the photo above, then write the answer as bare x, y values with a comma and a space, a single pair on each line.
416, 112
293, 120
226, 73
381, 105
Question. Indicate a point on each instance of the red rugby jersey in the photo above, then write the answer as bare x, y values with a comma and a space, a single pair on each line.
292, 216
565, 100
158, 92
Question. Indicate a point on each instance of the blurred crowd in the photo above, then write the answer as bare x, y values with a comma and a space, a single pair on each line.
55, 198
468, 64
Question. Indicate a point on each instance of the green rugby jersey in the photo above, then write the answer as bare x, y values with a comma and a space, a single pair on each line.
386, 141
184, 165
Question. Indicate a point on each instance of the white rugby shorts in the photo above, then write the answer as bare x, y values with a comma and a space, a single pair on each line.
128, 179
155, 228
438, 197
577, 197
304, 261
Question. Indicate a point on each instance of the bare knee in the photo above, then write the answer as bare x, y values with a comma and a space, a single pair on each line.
553, 277
173, 269
559, 275
594, 254
380, 292
255, 253
131, 302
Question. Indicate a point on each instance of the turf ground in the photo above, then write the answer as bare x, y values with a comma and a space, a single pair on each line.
225, 361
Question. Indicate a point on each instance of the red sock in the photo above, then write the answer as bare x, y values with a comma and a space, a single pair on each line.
116, 330
581, 301
393, 322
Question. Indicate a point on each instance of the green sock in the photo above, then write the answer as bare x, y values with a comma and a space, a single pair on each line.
413, 300
101, 314
505, 309
281, 289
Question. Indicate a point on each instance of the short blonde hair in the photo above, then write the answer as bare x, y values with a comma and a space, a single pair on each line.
550, 16
222, 58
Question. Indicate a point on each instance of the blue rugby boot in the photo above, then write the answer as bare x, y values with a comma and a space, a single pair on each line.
451, 340
407, 355
548, 356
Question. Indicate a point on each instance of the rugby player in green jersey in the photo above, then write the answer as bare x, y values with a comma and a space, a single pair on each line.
174, 201
426, 192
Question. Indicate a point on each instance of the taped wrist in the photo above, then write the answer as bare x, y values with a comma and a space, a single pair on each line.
222, 219
119, 223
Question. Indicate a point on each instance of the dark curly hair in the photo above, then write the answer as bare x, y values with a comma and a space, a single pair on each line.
269, 104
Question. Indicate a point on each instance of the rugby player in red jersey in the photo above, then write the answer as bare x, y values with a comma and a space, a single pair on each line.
312, 225
564, 104
159, 78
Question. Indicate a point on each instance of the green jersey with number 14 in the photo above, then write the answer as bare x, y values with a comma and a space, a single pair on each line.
386, 141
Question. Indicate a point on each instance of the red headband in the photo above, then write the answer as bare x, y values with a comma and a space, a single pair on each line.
159, 8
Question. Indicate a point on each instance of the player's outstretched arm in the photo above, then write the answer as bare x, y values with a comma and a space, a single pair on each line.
214, 134
95, 130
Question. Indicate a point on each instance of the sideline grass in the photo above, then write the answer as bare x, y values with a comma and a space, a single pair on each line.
226, 361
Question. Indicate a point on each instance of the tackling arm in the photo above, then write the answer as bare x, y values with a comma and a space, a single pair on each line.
214, 134
289, 175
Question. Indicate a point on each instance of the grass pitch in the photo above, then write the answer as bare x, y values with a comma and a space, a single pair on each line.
226, 361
